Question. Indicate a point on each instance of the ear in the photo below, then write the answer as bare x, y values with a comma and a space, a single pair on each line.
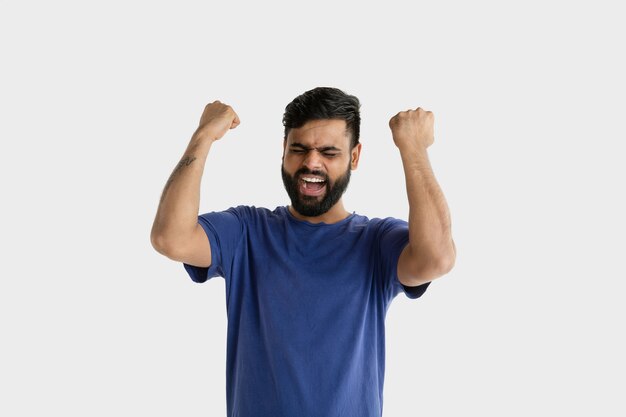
355, 153
284, 147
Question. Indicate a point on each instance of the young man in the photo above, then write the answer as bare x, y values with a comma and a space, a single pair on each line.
308, 285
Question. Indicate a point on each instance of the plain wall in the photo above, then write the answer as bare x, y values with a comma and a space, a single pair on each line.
99, 101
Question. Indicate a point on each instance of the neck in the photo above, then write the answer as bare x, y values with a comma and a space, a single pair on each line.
336, 214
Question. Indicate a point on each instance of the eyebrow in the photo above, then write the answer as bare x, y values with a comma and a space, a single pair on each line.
321, 149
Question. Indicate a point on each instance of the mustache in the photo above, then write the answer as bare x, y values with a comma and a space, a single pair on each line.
304, 171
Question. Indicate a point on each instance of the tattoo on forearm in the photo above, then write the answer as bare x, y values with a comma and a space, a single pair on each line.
185, 162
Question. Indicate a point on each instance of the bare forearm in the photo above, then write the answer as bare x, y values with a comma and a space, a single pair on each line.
177, 214
429, 217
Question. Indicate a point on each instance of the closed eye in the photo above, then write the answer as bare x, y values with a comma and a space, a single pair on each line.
328, 151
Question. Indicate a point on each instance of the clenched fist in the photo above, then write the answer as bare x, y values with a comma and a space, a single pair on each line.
216, 120
413, 128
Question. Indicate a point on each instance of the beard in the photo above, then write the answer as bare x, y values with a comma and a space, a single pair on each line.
313, 206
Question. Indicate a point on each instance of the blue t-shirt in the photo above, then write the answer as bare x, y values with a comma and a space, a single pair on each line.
306, 306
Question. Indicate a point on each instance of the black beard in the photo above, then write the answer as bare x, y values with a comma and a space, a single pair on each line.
309, 206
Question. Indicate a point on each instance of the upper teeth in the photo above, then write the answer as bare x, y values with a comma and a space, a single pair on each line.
312, 179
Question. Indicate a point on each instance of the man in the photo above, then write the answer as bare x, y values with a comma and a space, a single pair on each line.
308, 285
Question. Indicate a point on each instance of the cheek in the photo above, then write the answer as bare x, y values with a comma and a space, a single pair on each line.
291, 161
288, 164
340, 166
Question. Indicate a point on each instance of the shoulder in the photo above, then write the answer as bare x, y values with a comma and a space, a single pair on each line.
386, 224
249, 212
237, 215
253, 217
377, 230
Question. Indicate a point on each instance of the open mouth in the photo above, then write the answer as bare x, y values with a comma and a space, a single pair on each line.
311, 185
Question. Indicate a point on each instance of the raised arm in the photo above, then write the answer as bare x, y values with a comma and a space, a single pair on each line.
431, 252
175, 231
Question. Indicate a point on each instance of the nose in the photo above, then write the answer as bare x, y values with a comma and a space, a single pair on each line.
313, 160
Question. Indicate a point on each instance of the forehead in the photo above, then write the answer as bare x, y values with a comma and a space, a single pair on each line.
325, 132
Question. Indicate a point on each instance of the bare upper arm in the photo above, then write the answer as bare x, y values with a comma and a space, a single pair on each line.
194, 250
414, 270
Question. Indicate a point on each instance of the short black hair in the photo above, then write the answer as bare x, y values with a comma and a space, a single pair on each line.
324, 103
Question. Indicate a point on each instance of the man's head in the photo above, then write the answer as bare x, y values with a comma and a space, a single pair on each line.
320, 148
324, 103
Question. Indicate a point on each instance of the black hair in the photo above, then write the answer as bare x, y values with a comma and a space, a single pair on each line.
324, 103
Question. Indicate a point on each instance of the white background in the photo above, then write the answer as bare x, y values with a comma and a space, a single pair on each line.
98, 102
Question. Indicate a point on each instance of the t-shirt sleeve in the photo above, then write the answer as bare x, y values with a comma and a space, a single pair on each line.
224, 229
393, 238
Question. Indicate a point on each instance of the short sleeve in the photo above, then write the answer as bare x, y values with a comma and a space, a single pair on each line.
224, 229
393, 238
